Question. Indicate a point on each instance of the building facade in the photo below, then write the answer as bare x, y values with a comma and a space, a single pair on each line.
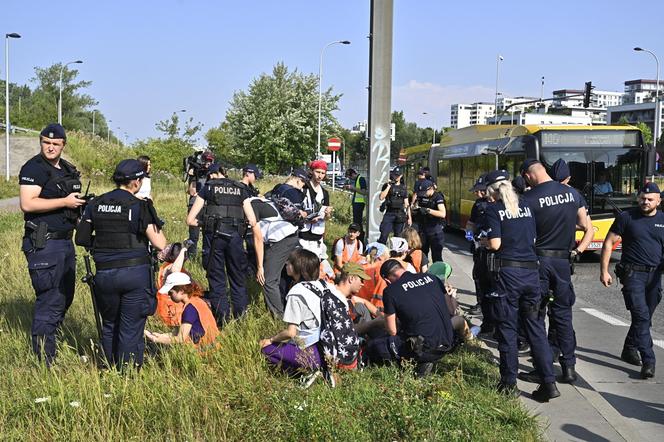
464, 115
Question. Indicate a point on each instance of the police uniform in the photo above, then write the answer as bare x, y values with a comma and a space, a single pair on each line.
515, 291
431, 227
48, 248
249, 238
480, 272
395, 211
224, 227
639, 271
555, 207
124, 278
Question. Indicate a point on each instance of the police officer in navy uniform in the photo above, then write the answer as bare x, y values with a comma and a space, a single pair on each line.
641, 231
515, 284
397, 209
125, 227
474, 227
558, 211
430, 205
49, 197
223, 226
250, 174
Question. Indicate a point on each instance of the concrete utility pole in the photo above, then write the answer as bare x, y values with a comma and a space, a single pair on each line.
380, 105
8, 126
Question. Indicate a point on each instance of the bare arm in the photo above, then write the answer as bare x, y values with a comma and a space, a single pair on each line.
383, 194
391, 324
494, 243
179, 261
585, 225
156, 236
440, 212
259, 246
30, 201
283, 336
195, 210
609, 243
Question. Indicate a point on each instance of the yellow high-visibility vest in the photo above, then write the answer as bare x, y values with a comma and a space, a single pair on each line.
358, 197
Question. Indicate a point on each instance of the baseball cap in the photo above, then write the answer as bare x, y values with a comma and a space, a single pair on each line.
527, 163
253, 169
650, 188
129, 168
175, 279
496, 175
423, 186
355, 226
54, 131
423, 170
560, 170
388, 267
301, 174
396, 172
441, 269
398, 244
519, 184
480, 184
353, 268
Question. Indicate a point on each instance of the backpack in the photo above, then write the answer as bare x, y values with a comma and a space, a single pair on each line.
339, 343
287, 210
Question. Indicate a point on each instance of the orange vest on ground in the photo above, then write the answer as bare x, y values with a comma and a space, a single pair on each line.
170, 312
207, 321
345, 257
416, 259
372, 290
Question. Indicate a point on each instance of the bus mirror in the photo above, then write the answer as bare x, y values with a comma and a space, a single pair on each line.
530, 147
651, 159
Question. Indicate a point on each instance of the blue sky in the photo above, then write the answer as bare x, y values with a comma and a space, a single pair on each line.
149, 58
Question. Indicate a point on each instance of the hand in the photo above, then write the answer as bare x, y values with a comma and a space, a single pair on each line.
148, 334
72, 201
605, 278
329, 210
409, 222
357, 300
260, 276
265, 342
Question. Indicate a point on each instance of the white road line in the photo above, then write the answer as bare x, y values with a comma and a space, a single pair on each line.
658, 342
604, 317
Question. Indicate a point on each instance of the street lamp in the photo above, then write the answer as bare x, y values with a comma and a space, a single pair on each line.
433, 139
62, 68
108, 131
7, 123
656, 126
495, 103
320, 90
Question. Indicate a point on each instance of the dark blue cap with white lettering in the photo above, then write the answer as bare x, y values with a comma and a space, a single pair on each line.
480, 184
424, 186
560, 170
650, 188
301, 174
252, 168
54, 131
214, 168
129, 169
527, 163
496, 175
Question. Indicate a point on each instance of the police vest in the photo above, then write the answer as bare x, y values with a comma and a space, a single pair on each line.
112, 219
395, 197
429, 202
67, 183
224, 206
358, 197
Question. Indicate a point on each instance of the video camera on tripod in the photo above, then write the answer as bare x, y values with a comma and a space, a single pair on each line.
197, 164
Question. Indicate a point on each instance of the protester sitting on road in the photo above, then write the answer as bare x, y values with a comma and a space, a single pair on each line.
414, 254
348, 248
424, 332
173, 257
294, 348
198, 325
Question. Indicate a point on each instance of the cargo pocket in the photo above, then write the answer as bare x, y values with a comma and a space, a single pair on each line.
43, 272
150, 304
498, 307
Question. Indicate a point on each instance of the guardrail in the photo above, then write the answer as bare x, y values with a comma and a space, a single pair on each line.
19, 129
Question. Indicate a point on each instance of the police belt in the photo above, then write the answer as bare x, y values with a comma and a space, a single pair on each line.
519, 264
120, 263
562, 254
638, 268
62, 234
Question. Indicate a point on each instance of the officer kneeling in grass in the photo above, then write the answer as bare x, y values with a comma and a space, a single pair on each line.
425, 331
640, 272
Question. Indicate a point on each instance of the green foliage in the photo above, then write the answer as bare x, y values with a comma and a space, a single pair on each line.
93, 156
645, 131
171, 128
274, 123
9, 188
166, 154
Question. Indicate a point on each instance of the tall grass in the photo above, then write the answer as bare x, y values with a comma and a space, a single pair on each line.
228, 394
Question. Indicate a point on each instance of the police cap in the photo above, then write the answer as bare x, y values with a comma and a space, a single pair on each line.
130, 169
527, 163
560, 170
396, 172
650, 188
519, 184
54, 131
252, 168
495, 176
214, 168
423, 186
301, 174
480, 184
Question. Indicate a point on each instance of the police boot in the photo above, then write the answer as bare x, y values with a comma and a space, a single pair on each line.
508, 389
648, 371
424, 369
568, 376
631, 356
530, 376
546, 392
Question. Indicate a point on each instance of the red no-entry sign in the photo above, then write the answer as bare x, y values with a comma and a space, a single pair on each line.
333, 144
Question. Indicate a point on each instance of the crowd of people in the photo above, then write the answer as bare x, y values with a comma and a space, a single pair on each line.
381, 302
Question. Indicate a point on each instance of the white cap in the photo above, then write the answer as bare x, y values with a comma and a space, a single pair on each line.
173, 280
398, 245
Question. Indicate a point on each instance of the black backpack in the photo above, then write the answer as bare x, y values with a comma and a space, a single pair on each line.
339, 343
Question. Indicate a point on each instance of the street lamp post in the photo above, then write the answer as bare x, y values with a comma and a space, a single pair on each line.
108, 131
320, 89
495, 103
62, 68
7, 123
657, 124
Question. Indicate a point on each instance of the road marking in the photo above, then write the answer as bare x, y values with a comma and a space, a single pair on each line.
658, 342
604, 317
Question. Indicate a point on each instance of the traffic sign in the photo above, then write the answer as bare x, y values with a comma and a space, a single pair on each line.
334, 144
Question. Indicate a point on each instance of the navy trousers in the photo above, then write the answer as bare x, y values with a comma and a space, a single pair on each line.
433, 238
642, 292
125, 299
516, 294
53, 276
227, 261
555, 275
392, 222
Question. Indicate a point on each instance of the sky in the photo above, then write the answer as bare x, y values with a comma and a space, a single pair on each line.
149, 58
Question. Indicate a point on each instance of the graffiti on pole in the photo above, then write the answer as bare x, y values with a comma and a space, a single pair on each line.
380, 164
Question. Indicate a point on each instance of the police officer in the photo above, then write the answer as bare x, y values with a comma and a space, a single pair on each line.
49, 197
641, 231
397, 209
431, 207
197, 176
558, 211
474, 226
515, 285
124, 228
223, 226
250, 174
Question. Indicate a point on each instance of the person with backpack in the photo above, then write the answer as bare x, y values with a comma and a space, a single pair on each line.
348, 248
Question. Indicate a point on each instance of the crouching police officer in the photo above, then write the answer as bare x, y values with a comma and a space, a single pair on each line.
515, 285
431, 206
397, 211
49, 197
223, 226
639, 270
124, 226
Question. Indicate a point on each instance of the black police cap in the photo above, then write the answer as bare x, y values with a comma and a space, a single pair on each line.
650, 188
130, 169
54, 131
495, 176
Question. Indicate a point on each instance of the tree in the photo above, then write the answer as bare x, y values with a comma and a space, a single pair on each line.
645, 131
171, 128
274, 123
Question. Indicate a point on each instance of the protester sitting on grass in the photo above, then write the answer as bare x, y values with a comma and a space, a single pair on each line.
294, 348
173, 257
372, 291
198, 326
348, 248
414, 254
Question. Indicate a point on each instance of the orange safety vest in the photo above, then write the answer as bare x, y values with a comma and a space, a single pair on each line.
207, 321
372, 290
170, 312
355, 257
416, 259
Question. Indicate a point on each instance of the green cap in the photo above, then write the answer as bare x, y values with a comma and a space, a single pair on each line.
441, 269
353, 268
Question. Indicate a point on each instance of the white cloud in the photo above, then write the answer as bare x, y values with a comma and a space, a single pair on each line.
416, 97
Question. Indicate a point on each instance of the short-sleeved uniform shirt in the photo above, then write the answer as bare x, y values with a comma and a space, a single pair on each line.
431, 202
418, 300
555, 208
477, 213
190, 316
139, 221
642, 237
516, 232
35, 172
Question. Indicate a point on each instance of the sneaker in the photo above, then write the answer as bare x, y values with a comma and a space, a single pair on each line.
308, 380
